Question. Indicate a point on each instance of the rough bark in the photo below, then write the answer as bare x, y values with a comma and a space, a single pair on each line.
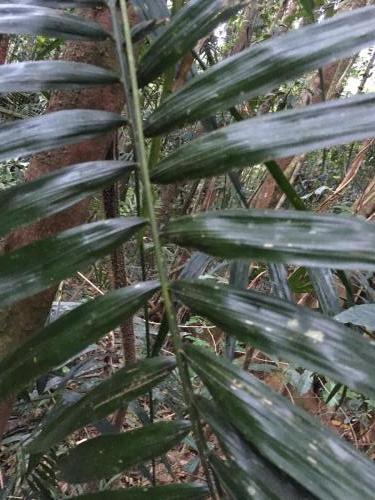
25, 317
20, 321
4, 43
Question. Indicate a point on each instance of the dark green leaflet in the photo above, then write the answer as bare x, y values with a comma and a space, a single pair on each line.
261, 68
23, 19
26, 137
272, 136
288, 236
106, 456
284, 434
285, 330
247, 469
195, 20
56, 191
123, 386
44, 263
69, 335
144, 29
45, 75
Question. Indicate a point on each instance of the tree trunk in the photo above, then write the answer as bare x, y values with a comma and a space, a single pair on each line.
23, 319
365, 205
4, 43
244, 37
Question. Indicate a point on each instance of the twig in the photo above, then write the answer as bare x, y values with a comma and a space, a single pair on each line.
90, 283
9, 112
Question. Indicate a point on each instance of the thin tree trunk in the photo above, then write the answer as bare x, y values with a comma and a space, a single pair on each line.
244, 37
365, 205
367, 73
30, 314
4, 44
119, 275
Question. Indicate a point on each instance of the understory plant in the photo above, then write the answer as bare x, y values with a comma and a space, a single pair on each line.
267, 447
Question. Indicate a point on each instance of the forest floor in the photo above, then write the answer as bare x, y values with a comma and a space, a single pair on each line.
350, 418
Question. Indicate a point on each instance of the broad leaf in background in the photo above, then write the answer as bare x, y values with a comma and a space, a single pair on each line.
285, 330
44, 263
57, 191
69, 335
26, 137
169, 492
195, 20
106, 456
261, 68
123, 386
284, 434
361, 315
22, 19
45, 75
271, 136
289, 236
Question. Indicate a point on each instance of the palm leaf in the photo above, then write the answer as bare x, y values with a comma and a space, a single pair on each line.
26, 137
268, 137
44, 263
247, 470
23, 19
286, 331
260, 69
56, 191
284, 434
106, 456
125, 385
195, 20
288, 236
46, 75
69, 335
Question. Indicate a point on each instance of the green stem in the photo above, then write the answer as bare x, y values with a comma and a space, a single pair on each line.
143, 169
140, 149
285, 185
